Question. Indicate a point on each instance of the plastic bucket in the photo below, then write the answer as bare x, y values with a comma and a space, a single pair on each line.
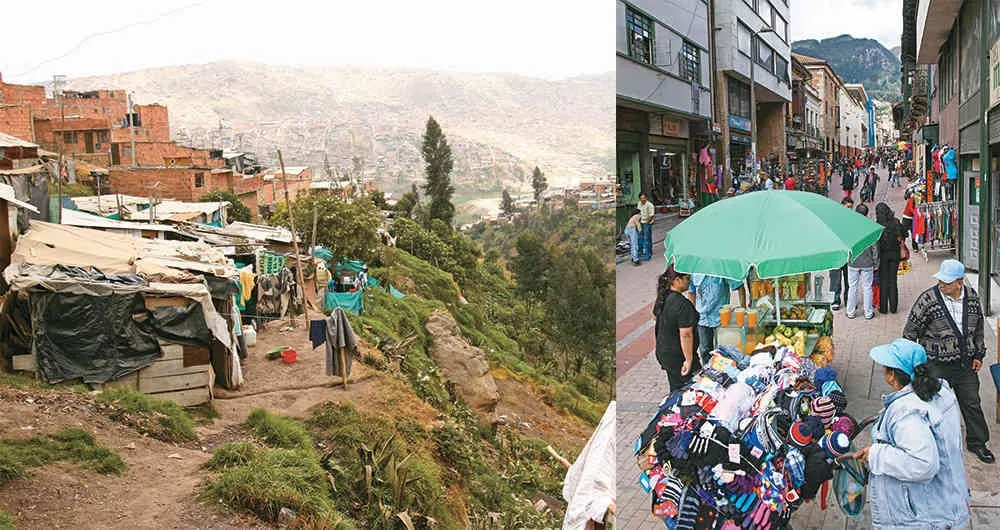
288, 356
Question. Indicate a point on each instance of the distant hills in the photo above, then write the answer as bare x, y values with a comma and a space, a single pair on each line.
500, 126
864, 61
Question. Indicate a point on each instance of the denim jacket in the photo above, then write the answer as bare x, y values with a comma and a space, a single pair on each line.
917, 479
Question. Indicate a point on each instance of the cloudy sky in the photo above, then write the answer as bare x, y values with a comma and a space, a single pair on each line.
881, 20
549, 38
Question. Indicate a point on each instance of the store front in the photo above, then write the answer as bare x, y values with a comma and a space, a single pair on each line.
629, 182
670, 169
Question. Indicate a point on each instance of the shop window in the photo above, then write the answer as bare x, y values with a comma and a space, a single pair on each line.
639, 29
973, 191
199, 180
691, 63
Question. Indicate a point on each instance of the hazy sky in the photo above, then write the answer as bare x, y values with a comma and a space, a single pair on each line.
881, 20
541, 38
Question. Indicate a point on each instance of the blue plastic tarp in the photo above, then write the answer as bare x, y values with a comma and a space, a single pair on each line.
395, 292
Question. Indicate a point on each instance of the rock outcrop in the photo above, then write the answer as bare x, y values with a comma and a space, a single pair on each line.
462, 364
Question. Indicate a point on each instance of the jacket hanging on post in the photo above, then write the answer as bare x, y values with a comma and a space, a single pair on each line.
339, 334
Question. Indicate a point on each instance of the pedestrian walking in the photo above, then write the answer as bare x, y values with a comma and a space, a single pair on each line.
847, 181
790, 183
889, 254
711, 293
917, 479
676, 329
860, 276
648, 215
838, 277
907, 223
947, 320
633, 230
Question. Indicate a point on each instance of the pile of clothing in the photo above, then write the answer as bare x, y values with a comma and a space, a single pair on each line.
746, 442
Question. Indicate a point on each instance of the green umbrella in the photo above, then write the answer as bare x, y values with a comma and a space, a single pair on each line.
778, 232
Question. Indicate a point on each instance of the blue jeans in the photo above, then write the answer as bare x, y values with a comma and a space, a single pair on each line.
706, 342
633, 242
646, 242
860, 279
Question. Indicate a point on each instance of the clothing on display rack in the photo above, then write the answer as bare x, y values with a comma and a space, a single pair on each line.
934, 223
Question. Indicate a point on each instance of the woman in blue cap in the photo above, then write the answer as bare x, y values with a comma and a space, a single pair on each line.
917, 479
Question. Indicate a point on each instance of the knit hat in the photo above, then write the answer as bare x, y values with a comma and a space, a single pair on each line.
825, 409
690, 506
836, 444
845, 425
815, 426
831, 386
800, 435
839, 400
827, 373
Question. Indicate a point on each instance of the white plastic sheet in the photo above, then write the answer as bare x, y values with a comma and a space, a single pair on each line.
589, 487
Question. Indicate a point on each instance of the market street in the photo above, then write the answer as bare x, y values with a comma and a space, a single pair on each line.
641, 384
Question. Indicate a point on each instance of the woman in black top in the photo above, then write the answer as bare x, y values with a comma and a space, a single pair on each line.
676, 328
888, 258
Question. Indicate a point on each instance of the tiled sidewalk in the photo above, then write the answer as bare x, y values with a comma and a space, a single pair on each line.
641, 385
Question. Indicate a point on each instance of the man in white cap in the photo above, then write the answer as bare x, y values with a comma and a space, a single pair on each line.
947, 320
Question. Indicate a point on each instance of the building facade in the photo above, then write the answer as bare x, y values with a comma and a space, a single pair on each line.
663, 99
829, 87
753, 48
952, 79
803, 125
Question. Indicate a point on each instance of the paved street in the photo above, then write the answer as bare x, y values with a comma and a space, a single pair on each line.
641, 385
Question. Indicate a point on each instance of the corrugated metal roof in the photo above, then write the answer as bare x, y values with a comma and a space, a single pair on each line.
7, 140
7, 194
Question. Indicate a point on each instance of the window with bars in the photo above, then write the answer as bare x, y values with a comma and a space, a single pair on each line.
639, 29
691, 62
69, 137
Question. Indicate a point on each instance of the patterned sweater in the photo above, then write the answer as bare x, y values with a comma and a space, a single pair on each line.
930, 325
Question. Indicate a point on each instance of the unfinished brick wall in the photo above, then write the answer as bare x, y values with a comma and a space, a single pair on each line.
11, 94
168, 154
174, 183
15, 120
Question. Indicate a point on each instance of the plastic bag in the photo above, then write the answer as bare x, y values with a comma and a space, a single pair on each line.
850, 482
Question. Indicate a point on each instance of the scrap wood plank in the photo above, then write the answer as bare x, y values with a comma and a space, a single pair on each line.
174, 382
129, 381
168, 367
187, 398
27, 363
171, 301
171, 351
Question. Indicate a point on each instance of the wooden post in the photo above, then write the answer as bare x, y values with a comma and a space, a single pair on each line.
315, 218
343, 365
295, 243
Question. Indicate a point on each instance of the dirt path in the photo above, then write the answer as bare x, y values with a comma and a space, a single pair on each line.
159, 491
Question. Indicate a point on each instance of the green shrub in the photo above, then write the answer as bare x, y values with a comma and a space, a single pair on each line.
159, 418
279, 431
6, 521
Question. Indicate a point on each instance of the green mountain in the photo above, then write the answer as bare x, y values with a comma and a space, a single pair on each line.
864, 61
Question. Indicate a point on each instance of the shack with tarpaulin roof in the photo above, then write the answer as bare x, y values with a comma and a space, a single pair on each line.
111, 309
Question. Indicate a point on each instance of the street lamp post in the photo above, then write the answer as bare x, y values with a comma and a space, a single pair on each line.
753, 97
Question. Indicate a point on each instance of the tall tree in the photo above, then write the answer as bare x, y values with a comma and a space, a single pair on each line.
437, 157
531, 266
507, 203
539, 184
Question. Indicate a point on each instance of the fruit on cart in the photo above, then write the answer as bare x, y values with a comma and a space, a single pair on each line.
798, 312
